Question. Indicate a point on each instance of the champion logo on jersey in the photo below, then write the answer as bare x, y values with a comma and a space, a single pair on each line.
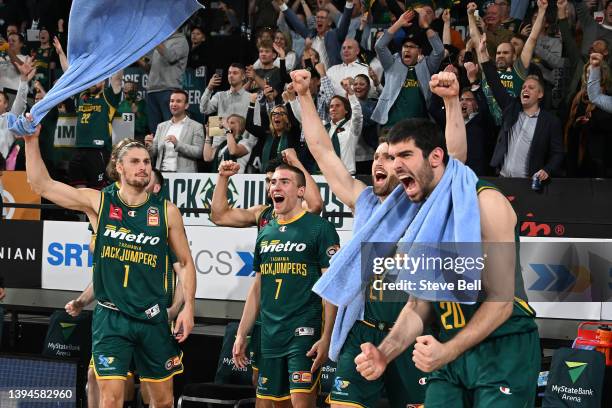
422, 381
505, 390
283, 228
153, 217
115, 213
132, 213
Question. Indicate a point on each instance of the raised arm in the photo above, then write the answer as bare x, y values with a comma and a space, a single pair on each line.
446, 86
60, 53
502, 97
570, 47
345, 21
319, 143
173, 51
529, 47
597, 98
20, 103
293, 21
185, 271
382, 45
221, 213
85, 199
473, 27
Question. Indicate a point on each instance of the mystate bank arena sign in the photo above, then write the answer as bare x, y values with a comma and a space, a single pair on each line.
195, 190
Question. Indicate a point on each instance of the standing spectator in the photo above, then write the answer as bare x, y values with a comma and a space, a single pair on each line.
283, 41
591, 29
530, 141
325, 40
350, 66
548, 58
132, 103
18, 107
95, 110
345, 125
496, 33
406, 93
233, 101
233, 146
268, 74
9, 73
178, 142
278, 131
368, 140
507, 21
44, 59
199, 54
166, 70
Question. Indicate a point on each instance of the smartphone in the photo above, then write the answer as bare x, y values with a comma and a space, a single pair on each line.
219, 72
468, 57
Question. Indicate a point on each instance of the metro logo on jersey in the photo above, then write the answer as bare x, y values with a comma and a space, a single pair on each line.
276, 246
115, 213
125, 235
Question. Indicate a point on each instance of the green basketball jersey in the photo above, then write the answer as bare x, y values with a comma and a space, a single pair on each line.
265, 217
512, 81
130, 257
289, 255
383, 305
454, 316
94, 118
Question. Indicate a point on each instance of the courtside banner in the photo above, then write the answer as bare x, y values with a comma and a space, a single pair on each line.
66, 261
65, 131
223, 258
20, 253
17, 190
195, 190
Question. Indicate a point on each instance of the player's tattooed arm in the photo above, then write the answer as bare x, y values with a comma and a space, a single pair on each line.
220, 211
84, 199
373, 361
249, 315
185, 271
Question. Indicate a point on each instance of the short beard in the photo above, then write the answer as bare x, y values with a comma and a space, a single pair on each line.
387, 188
137, 183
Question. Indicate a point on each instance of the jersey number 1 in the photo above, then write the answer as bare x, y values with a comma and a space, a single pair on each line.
126, 275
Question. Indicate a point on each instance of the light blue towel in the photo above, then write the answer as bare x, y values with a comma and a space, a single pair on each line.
103, 38
448, 215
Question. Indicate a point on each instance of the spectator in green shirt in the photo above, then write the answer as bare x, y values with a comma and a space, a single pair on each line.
132, 103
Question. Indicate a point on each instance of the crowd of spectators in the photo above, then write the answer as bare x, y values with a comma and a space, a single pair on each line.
536, 86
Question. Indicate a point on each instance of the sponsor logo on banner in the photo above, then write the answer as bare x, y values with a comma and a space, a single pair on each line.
20, 253
17, 190
188, 190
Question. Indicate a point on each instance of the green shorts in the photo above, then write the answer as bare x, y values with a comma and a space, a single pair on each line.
118, 338
403, 382
500, 372
279, 377
255, 346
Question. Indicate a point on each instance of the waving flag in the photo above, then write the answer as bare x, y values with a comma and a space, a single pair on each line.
104, 37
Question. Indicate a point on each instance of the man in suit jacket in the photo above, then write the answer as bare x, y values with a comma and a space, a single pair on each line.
326, 41
178, 142
529, 142
406, 93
